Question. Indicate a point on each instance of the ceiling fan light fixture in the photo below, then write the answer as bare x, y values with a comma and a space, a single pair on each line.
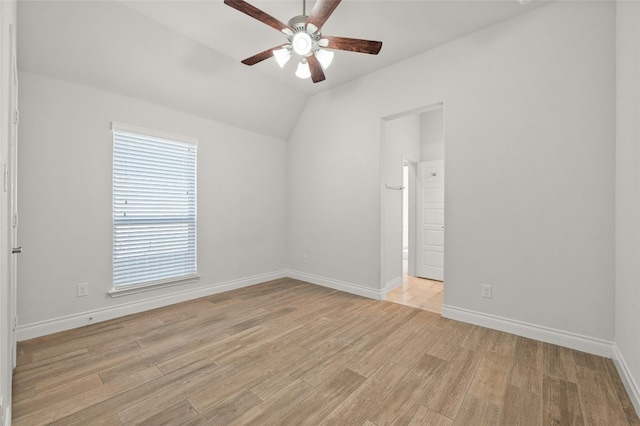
282, 56
303, 70
304, 38
302, 43
325, 57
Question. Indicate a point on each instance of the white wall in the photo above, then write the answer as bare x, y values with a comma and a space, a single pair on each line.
530, 171
432, 135
65, 200
627, 290
109, 45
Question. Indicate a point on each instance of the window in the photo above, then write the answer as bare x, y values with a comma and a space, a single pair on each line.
154, 209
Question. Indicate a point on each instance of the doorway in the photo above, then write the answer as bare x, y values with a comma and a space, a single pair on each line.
421, 283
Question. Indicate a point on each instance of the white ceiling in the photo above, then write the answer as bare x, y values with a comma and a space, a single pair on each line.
406, 28
186, 54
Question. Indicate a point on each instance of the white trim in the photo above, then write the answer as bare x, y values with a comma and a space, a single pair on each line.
545, 334
337, 285
68, 322
631, 386
419, 110
7, 416
154, 133
140, 288
390, 285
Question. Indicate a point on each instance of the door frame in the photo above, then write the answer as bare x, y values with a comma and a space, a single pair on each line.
410, 190
383, 211
13, 192
8, 164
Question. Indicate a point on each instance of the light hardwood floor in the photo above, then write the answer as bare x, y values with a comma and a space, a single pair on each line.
291, 353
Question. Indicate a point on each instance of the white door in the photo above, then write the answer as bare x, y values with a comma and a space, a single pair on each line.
430, 202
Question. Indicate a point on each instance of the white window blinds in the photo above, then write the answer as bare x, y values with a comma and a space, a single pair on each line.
154, 209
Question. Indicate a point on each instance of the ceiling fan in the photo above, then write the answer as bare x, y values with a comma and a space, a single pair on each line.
305, 39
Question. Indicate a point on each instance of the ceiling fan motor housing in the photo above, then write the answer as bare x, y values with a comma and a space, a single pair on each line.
304, 40
298, 22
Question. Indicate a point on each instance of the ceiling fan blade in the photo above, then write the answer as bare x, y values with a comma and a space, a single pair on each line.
354, 45
258, 14
317, 74
321, 12
259, 57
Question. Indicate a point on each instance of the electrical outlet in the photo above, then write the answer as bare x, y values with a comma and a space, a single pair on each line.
486, 291
305, 259
83, 289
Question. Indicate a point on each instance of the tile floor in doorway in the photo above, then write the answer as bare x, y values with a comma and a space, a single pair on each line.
419, 293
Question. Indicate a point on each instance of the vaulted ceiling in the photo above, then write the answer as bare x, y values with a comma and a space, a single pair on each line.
186, 54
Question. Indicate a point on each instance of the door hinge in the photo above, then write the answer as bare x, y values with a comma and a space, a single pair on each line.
16, 116
5, 176
15, 323
15, 220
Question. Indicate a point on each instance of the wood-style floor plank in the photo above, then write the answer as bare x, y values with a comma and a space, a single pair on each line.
477, 411
558, 362
288, 352
357, 407
276, 407
560, 402
402, 403
490, 380
452, 389
426, 416
599, 400
332, 392
175, 414
526, 371
521, 408
621, 392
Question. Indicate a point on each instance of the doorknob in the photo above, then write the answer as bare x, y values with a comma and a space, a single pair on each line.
16, 250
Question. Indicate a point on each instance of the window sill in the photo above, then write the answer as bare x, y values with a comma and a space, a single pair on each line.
153, 285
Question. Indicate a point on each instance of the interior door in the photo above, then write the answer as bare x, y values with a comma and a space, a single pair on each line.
430, 215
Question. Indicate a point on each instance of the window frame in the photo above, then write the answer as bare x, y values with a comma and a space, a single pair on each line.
125, 289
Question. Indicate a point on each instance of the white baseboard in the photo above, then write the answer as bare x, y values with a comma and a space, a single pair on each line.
359, 290
558, 337
42, 328
7, 416
633, 390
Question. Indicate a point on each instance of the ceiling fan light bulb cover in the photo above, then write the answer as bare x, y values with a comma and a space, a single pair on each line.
303, 70
325, 57
302, 43
282, 56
